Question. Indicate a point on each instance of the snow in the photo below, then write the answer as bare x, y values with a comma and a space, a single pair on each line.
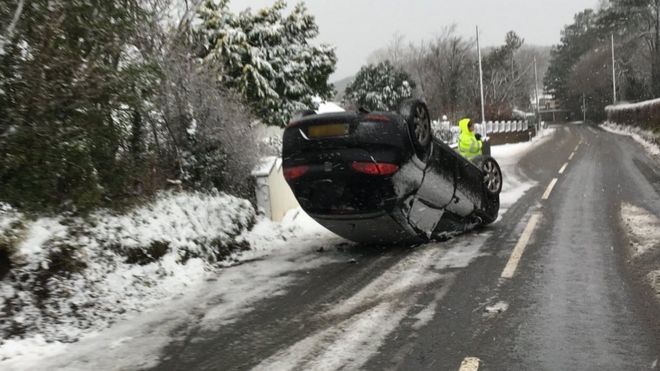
499, 307
515, 183
270, 142
643, 228
326, 107
264, 166
40, 231
377, 310
82, 265
216, 297
8, 216
649, 140
629, 106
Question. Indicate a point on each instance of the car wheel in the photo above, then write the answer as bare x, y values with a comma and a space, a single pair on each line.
492, 174
492, 188
416, 115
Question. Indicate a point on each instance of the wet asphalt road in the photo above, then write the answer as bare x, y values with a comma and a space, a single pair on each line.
571, 304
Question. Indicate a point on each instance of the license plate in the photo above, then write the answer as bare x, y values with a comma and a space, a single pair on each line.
324, 131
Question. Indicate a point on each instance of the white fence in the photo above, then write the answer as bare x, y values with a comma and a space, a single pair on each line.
491, 127
447, 132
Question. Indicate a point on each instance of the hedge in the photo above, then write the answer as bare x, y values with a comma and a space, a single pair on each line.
645, 115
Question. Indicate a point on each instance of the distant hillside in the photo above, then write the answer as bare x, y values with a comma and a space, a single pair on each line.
340, 86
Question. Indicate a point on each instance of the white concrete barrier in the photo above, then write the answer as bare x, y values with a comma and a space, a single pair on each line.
274, 196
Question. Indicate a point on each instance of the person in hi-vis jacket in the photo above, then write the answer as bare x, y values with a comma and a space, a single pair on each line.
469, 143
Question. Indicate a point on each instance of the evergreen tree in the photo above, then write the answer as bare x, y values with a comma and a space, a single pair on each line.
379, 87
577, 39
72, 87
581, 63
267, 57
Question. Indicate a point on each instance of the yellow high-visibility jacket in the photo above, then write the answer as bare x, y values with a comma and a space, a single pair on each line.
468, 145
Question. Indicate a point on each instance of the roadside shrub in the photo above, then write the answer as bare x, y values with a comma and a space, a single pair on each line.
149, 254
12, 230
645, 115
78, 273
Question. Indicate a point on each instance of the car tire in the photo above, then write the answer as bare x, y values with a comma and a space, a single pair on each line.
492, 188
417, 119
492, 174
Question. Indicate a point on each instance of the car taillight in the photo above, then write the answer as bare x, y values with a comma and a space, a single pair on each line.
375, 168
291, 173
376, 118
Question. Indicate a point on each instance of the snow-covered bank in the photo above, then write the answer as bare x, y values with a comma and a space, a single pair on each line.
214, 298
643, 231
71, 275
649, 140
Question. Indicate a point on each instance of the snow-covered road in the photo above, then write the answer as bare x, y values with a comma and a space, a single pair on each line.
354, 327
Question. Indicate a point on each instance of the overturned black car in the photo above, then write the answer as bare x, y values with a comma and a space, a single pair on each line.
380, 177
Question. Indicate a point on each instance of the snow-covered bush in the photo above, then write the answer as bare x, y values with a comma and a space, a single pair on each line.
68, 274
72, 94
445, 131
645, 115
215, 145
379, 87
266, 56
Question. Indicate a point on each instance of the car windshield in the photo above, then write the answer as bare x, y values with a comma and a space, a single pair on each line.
329, 185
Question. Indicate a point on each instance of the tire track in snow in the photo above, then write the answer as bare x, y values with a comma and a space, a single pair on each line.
360, 324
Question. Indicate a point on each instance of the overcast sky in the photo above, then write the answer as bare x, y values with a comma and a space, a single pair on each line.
358, 27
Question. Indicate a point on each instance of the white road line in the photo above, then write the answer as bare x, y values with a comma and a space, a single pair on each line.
593, 130
470, 364
512, 264
563, 168
548, 190
571, 156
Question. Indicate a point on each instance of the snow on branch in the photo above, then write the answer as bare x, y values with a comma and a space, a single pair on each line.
12, 26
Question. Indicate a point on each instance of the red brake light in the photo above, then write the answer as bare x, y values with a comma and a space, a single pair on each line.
291, 173
377, 118
375, 168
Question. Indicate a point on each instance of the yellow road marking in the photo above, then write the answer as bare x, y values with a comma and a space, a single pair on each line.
519, 249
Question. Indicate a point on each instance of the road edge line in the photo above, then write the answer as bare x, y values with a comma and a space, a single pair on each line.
470, 364
519, 249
